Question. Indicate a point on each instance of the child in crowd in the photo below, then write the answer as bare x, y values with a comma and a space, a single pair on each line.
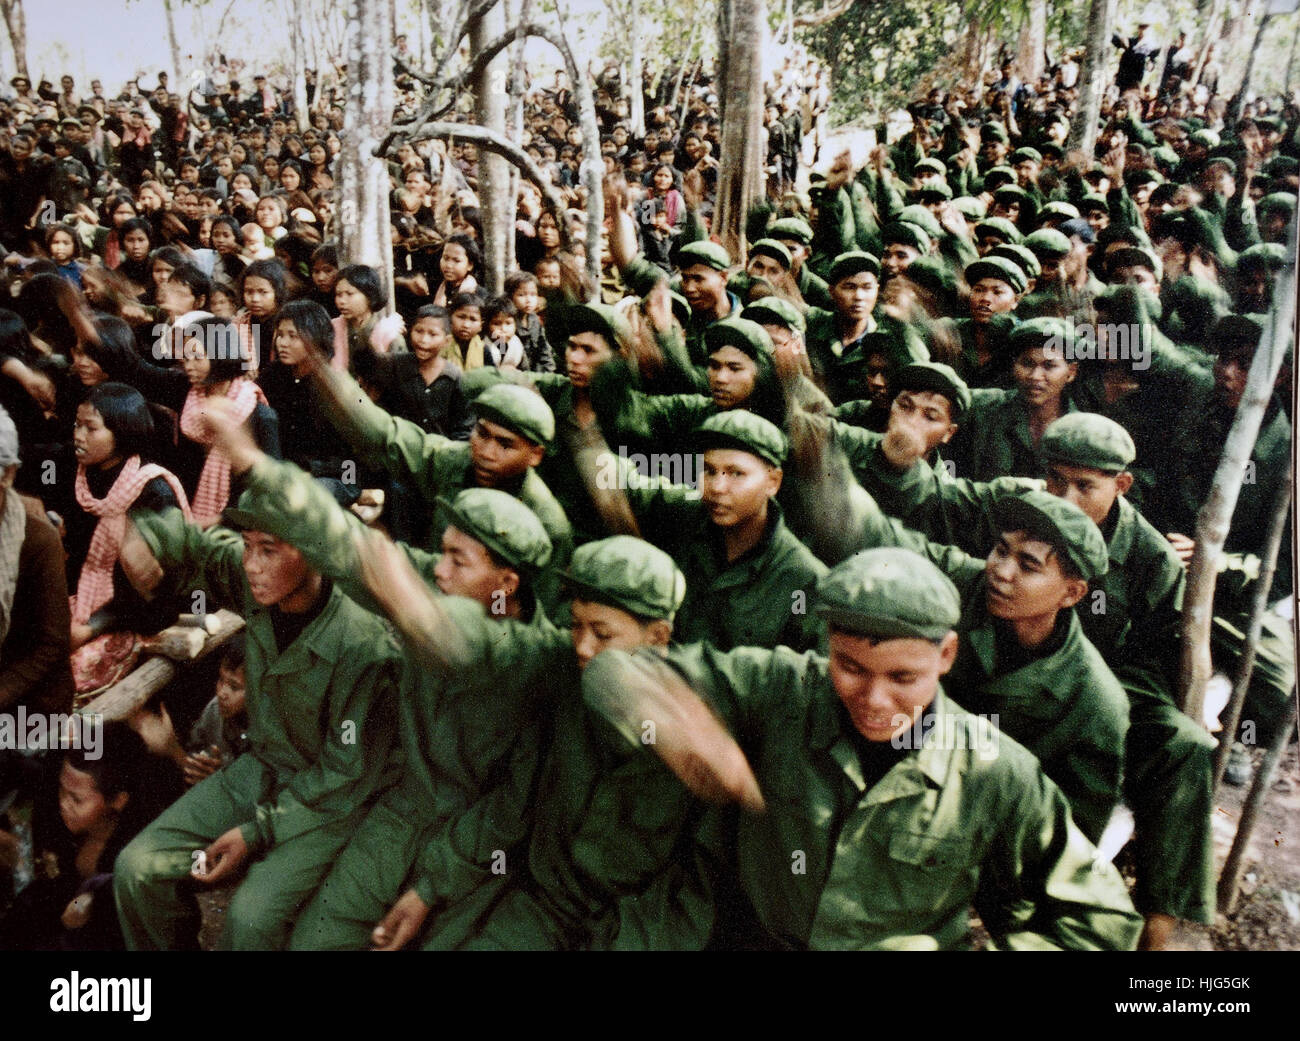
466, 346
521, 287
501, 347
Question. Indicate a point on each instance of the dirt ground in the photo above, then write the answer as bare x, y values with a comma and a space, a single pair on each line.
1267, 916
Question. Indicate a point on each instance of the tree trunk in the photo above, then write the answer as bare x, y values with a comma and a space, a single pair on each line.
1239, 98
1216, 514
636, 73
171, 42
1030, 55
299, 66
740, 175
516, 113
364, 236
1092, 77
1211, 36
16, 22
496, 209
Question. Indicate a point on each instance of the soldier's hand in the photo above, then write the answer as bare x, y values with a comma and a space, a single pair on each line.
902, 446
222, 859
1183, 546
401, 924
229, 433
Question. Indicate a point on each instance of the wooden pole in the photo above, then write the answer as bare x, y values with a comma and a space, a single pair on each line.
1216, 514
1259, 604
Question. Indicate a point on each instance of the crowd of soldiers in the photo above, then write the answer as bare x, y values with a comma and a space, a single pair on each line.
808, 598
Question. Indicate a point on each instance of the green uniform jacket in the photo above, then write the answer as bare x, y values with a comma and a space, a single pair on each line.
996, 372
1132, 614
321, 714
834, 864
470, 743
841, 369
759, 600
437, 466
1066, 707
994, 439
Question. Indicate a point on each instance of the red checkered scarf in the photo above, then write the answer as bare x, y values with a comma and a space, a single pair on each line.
213, 492
95, 584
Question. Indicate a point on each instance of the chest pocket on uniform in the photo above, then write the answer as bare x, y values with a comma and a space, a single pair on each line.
931, 873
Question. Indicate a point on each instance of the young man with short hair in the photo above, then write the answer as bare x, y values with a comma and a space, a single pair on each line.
894, 833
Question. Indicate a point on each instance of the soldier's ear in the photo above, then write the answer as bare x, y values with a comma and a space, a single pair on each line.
1075, 590
947, 652
774, 476
1123, 482
659, 632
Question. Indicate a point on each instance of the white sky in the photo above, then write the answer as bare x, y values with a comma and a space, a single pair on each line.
113, 40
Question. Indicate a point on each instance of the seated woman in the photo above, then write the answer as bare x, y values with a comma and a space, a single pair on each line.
211, 366
307, 438
359, 330
113, 438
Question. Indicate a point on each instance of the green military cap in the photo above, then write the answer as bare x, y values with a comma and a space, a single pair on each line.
1147, 176
931, 190
733, 331
854, 262
939, 378
1026, 155
1000, 268
1059, 523
934, 276
520, 409
597, 318
710, 254
1276, 201
1281, 166
999, 226
1268, 122
1037, 332
1090, 440
994, 131
736, 428
1058, 208
1091, 202
627, 573
1165, 157
1207, 138
998, 176
1020, 255
503, 524
1010, 193
970, 207
1271, 255
772, 248
1224, 161
1136, 256
905, 234
930, 165
773, 310
1047, 242
889, 594
923, 219
794, 228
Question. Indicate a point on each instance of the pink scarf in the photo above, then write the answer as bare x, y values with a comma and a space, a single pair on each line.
213, 492
95, 585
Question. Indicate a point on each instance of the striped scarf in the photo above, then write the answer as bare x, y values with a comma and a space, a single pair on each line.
213, 491
95, 584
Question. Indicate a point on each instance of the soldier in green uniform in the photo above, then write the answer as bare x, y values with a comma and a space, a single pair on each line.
321, 687
840, 342
996, 286
796, 236
513, 429
889, 809
750, 578
999, 437
1136, 604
